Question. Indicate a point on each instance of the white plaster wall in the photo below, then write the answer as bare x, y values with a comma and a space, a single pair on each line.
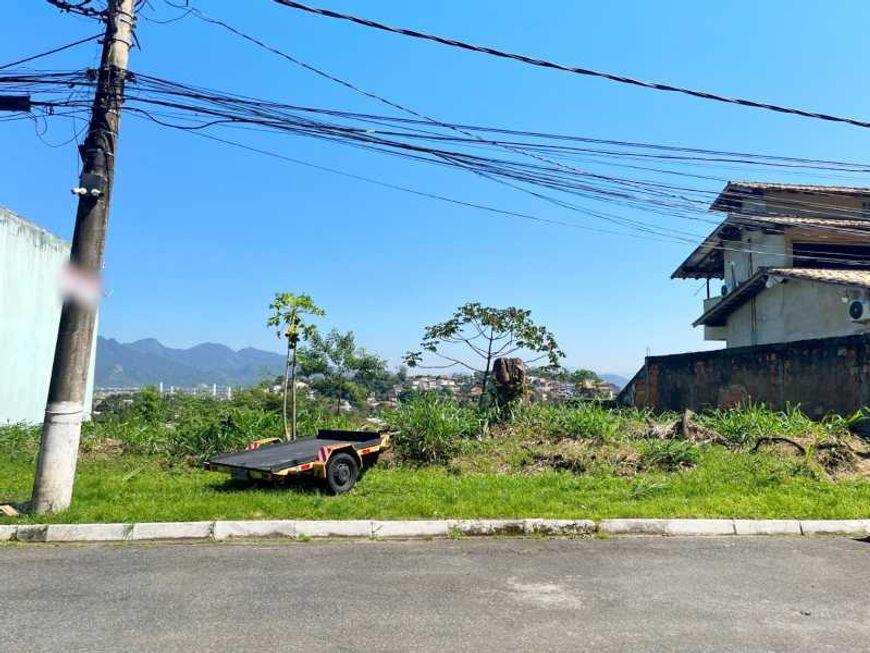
793, 310
755, 250
30, 264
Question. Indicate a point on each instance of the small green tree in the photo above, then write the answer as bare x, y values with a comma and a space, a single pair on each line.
149, 404
289, 312
485, 333
581, 376
576, 377
347, 371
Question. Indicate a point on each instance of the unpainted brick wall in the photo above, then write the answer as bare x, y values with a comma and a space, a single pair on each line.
827, 375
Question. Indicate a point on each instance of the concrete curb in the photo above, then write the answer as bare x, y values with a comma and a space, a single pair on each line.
424, 529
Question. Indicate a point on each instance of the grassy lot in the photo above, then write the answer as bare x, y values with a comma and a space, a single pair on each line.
723, 484
458, 462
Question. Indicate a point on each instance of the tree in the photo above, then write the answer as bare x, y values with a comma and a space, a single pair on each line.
581, 376
288, 316
346, 370
486, 333
576, 377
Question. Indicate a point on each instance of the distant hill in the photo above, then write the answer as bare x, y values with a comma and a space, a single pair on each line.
147, 362
617, 380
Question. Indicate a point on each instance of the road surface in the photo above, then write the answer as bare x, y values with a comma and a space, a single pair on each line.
631, 594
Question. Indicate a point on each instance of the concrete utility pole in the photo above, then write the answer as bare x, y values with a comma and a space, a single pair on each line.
61, 430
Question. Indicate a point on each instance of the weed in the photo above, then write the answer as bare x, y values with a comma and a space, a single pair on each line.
19, 441
670, 455
431, 428
645, 488
586, 421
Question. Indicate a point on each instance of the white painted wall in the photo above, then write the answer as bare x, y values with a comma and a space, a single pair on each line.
30, 263
755, 250
793, 310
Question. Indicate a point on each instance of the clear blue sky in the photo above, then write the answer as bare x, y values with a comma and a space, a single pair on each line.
202, 235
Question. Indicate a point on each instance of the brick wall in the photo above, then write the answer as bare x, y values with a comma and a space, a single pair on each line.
823, 375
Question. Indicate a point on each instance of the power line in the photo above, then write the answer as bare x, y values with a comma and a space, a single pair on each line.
439, 123
50, 52
223, 108
418, 115
822, 257
419, 193
543, 63
263, 112
82, 7
357, 89
200, 108
516, 214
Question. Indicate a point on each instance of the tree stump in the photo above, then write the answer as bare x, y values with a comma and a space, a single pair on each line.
510, 380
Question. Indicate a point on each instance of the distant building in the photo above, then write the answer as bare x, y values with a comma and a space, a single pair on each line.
31, 260
428, 383
794, 264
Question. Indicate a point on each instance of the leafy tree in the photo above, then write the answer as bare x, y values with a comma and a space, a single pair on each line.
346, 370
289, 313
486, 334
577, 377
148, 405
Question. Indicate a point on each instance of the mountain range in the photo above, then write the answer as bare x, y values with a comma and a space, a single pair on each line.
616, 379
148, 362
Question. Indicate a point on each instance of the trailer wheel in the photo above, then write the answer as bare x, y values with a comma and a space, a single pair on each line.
342, 471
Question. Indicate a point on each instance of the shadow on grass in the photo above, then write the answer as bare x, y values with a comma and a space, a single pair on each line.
294, 486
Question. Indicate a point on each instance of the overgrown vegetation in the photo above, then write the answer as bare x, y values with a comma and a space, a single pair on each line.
180, 429
460, 460
432, 428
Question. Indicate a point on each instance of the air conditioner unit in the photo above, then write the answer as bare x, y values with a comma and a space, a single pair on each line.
859, 310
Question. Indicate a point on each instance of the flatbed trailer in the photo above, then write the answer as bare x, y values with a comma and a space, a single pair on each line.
337, 458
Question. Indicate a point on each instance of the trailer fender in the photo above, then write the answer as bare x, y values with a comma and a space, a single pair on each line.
325, 453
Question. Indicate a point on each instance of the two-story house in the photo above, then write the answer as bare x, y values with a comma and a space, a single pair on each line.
792, 264
793, 260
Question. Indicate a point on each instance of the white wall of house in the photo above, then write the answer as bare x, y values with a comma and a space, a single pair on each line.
792, 310
755, 250
30, 263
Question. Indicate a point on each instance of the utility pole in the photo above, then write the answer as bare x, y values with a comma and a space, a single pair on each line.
61, 430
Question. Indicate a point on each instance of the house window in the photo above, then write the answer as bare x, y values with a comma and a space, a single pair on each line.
831, 256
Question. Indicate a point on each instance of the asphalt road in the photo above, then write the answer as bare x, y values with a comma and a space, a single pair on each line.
632, 594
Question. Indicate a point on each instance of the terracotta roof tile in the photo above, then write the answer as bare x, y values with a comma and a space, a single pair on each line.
813, 222
799, 188
860, 278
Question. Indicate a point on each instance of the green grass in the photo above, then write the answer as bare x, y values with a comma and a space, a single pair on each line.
721, 484
140, 463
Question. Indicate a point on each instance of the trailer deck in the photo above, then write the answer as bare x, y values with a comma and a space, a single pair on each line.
336, 457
